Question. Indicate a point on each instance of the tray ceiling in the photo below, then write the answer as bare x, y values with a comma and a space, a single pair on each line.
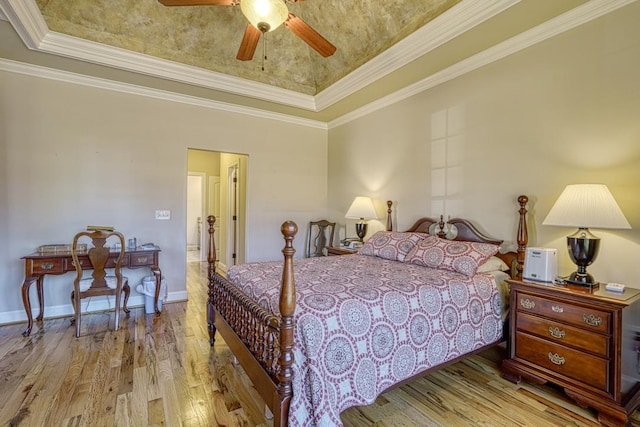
208, 37
382, 47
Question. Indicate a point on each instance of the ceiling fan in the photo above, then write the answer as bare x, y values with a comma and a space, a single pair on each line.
265, 16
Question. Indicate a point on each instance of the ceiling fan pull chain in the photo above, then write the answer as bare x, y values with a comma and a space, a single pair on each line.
264, 51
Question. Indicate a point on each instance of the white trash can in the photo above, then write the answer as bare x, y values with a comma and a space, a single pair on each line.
148, 288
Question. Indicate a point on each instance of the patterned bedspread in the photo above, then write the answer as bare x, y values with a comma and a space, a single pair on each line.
364, 324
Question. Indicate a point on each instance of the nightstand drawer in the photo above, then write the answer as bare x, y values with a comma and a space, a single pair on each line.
588, 369
564, 334
574, 314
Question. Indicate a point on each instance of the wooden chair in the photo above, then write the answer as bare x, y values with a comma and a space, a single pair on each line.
320, 236
96, 258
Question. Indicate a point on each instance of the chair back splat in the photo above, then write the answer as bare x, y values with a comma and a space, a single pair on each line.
320, 236
99, 257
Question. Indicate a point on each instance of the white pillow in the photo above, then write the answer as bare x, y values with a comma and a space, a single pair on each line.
493, 264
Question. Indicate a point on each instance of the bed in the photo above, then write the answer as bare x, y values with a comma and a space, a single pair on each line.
317, 336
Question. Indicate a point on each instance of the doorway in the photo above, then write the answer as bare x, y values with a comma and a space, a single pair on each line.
218, 181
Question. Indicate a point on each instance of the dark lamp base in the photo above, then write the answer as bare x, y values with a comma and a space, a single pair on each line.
361, 230
580, 279
583, 249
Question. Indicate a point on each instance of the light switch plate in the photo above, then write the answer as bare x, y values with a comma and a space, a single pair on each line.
163, 214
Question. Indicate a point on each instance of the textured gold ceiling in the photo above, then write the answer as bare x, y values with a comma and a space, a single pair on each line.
209, 36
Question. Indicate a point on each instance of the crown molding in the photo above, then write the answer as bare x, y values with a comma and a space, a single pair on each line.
560, 24
25, 16
26, 19
73, 47
95, 82
449, 25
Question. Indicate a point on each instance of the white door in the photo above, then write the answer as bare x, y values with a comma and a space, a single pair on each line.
195, 215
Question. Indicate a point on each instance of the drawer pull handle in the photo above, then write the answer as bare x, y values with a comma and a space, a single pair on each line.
527, 303
557, 309
142, 259
47, 266
556, 359
556, 332
592, 320
79, 262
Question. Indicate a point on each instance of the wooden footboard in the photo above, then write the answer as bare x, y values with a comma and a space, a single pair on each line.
263, 342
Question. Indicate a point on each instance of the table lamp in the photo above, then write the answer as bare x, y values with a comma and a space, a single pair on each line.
585, 206
362, 209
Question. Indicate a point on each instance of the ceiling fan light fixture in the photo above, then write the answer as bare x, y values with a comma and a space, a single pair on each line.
265, 15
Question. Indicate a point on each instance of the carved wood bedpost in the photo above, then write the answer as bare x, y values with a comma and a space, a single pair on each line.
211, 270
523, 235
441, 225
389, 220
287, 324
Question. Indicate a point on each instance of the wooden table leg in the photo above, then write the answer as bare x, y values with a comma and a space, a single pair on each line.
40, 288
27, 303
158, 274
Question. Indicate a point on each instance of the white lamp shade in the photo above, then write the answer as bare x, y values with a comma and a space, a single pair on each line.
586, 206
362, 207
270, 12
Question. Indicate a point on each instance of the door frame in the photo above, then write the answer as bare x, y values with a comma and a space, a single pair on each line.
233, 170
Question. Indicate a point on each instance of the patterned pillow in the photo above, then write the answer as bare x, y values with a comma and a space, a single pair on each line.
459, 257
391, 245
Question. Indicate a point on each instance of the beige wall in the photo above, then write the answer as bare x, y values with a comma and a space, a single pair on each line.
564, 111
74, 155
207, 162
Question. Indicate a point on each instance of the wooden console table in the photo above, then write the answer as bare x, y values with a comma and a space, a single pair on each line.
38, 265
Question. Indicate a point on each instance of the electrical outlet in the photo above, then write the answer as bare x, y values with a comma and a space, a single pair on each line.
163, 215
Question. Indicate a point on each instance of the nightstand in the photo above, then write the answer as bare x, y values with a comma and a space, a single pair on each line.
332, 251
586, 341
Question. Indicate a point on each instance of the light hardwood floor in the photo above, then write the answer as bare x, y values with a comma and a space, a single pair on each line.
161, 371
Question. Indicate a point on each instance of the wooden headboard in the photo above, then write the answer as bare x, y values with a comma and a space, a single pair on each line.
466, 231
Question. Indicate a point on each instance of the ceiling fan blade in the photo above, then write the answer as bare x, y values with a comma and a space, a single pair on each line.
249, 43
309, 35
197, 2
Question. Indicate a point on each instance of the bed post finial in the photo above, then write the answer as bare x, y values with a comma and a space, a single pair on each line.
287, 308
441, 224
211, 271
522, 236
389, 220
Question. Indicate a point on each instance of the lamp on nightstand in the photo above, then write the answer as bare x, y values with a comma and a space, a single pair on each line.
362, 209
585, 206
